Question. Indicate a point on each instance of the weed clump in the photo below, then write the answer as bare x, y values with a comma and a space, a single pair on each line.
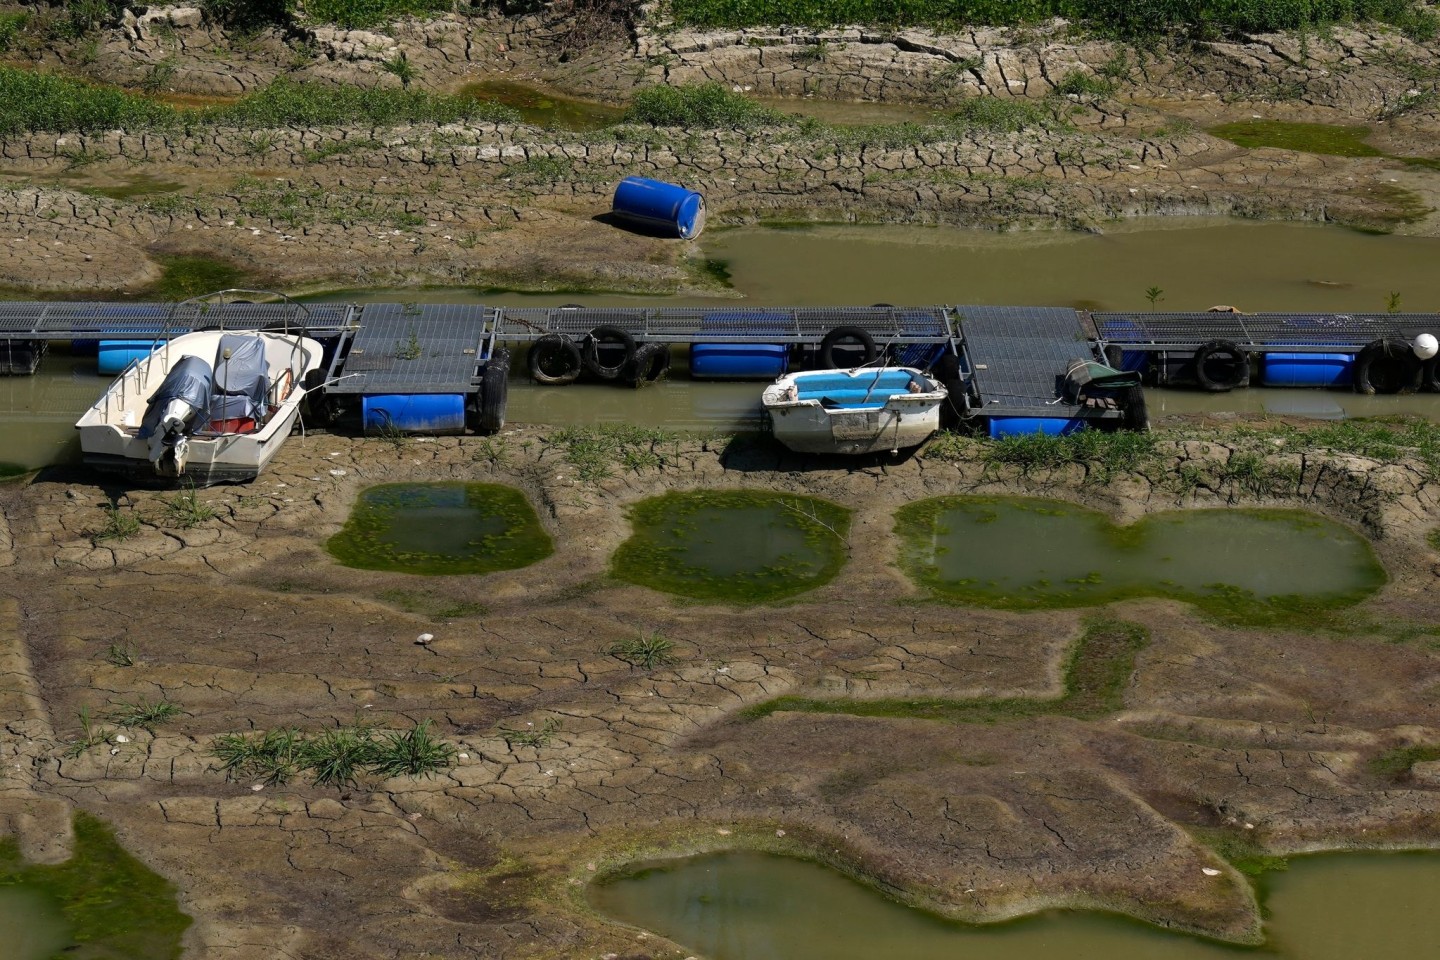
705, 105
333, 757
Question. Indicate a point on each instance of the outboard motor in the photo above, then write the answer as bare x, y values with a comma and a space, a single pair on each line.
180, 406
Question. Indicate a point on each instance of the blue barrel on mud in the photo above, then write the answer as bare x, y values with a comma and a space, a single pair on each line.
1024, 426
112, 356
1307, 369
662, 207
738, 361
414, 412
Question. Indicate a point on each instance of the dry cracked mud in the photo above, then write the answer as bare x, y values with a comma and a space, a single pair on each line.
1257, 737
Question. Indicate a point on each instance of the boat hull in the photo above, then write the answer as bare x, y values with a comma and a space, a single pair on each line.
873, 422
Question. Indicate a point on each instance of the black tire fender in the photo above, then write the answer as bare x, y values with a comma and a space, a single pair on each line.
591, 351
1135, 415
839, 335
1387, 366
1216, 373
650, 363
1430, 375
494, 393
554, 360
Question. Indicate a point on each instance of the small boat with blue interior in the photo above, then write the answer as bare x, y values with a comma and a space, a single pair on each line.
863, 410
201, 408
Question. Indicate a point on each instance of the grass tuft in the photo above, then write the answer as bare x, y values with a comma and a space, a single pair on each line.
333, 757
144, 714
646, 651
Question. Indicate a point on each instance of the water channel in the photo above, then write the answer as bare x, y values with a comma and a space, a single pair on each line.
1196, 263
750, 906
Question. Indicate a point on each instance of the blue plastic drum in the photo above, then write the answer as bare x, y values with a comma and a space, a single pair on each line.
662, 207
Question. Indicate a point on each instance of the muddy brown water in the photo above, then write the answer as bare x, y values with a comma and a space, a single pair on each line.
1196, 263
749, 906
32, 926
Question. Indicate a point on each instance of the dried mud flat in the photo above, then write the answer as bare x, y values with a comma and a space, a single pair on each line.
1261, 737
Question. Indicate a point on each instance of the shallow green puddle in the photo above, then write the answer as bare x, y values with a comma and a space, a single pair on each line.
1328, 138
1251, 565
441, 528
542, 109
752, 906
734, 545
102, 904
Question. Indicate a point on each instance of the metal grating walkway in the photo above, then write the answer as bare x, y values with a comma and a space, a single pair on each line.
1260, 332
64, 320
415, 348
1018, 356
804, 325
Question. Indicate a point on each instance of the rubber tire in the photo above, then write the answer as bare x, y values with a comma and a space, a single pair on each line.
591, 352
1136, 416
1114, 356
1239, 374
554, 346
650, 363
1404, 368
840, 335
1430, 375
494, 393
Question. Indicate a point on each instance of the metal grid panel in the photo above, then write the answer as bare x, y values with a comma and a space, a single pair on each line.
730, 324
1259, 331
119, 320
452, 342
1018, 356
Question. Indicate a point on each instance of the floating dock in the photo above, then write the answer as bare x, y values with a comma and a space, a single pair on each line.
1009, 361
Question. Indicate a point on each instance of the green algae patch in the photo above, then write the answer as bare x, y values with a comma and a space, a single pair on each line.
116, 907
1327, 138
186, 277
1258, 567
734, 545
441, 529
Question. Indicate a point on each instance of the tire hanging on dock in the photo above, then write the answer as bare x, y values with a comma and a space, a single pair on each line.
1387, 366
494, 393
612, 336
840, 335
1221, 365
956, 408
650, 363
554, 360
1430, 375
1134, 414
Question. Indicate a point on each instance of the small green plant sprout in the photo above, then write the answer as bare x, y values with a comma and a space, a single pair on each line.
118, 526
1154, 295
399, 65
411, 753
186, 510
272, 756
1392, 301
646, 651
144, 714
531, 735
410, 349
121, 655
90, 736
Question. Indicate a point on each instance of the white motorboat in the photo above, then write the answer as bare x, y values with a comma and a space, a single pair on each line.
202, 408
863, 410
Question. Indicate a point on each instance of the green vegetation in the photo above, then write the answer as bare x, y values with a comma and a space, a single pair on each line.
368, 13
736, 546
186, 510
597, 451
532, 736
120, 655
441, 529
1096, 673
187, 277
118, 526
433, 605
1240, 849
116, 908
1127, 18
1395, 764
646, 651
705, 105
39, 102
144, 714
332, 757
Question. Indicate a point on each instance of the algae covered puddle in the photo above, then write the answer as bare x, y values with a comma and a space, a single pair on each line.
101, 904
441, 528
1021, 552
750, 906
733, 545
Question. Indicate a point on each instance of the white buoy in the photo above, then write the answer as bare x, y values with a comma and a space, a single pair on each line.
1426, 346
424, 638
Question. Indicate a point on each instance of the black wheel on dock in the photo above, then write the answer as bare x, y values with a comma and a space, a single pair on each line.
839, 335
650, 363
1135, 416
554, 360
1430, 375
1221, 365
607, 339
494, 392
1114, 356
1387, 366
